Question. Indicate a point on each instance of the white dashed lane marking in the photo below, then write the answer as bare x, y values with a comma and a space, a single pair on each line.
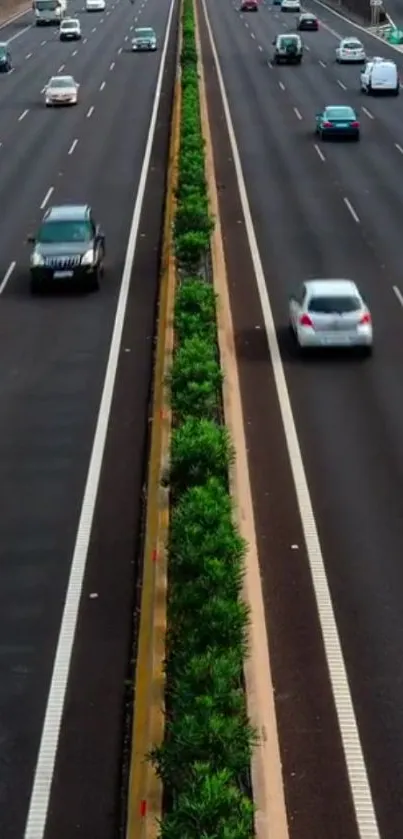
90, 111
297, 113
7, 276
319, 152
72, 147
112, 65
351, 210
23, 115
102, 86
343, 86
367, 112
46, 198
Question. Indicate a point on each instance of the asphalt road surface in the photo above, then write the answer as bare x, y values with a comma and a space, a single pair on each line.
54, 351
324, 210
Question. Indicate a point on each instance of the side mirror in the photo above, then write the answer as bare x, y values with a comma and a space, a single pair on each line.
274, 43
31, 239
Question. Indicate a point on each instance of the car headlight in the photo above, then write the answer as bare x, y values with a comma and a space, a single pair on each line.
37, 259
88, 257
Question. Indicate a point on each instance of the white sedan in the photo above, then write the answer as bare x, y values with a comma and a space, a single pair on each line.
70, 30
95, 5
350, 50
290, 6
61, 90
330, 313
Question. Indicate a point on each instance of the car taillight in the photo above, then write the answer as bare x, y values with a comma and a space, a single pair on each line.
305, 320
365, 319
327, 124
355, 124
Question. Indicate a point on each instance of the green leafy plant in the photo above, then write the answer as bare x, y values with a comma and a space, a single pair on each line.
195, 380
195, 308
200, 449
204, 761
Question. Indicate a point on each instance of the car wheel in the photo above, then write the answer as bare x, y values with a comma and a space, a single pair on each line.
397, 91
93, 282
35, 285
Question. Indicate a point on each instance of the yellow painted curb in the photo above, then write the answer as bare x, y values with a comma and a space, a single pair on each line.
145, 789
267, 780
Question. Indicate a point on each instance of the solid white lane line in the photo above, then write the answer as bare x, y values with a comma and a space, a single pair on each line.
7, 276
72, 147
319, 152
354, 758
399, 294
399, 148
281, 85
297, 113
90, 111
341, 84
18, 34
351, 210
46, 198
101, 87
45, 765
23, 115
367, 112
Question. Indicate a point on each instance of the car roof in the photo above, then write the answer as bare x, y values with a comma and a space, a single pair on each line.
307, 15
70, 20
339, 108
3, 44
68, 212
330, 288
143, 28
351, 38
62, 78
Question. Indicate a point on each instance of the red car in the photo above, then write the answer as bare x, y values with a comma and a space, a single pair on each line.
249, 6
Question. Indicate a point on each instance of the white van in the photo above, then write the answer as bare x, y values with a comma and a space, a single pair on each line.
380, 76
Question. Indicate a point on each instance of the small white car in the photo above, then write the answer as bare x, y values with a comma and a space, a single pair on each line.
330, 313
290, 6
349, 51
380, 76
70, 30
61, 90
95, 5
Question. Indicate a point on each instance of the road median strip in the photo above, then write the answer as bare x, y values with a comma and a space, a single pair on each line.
204, 759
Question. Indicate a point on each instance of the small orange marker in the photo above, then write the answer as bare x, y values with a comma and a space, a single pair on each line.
143, 808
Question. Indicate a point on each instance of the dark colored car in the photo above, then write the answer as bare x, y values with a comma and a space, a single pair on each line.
249, 6
69, 248
308, 23
338, 121
5, 58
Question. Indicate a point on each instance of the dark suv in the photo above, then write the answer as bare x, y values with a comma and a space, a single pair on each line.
5, 58
69, 247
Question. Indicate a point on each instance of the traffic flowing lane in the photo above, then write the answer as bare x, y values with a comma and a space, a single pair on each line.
326, 210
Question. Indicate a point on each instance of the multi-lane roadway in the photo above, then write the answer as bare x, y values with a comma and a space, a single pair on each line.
53, 361
320, 210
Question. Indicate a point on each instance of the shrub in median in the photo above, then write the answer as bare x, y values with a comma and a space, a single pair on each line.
204, 761
195, 379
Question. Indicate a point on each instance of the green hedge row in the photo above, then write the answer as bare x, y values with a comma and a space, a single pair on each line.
204, 761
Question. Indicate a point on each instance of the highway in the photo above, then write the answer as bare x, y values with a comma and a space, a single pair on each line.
320, 210
54, 354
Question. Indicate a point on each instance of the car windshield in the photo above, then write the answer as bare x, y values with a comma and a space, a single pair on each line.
340, 304
65, 231
65, 82
144, 33
339, 113
69, 24
352, 45
289, 40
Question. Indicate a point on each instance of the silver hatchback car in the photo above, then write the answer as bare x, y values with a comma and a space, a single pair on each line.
330, 313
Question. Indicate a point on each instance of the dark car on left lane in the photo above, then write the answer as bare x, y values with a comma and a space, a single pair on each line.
5, 58
69, 248
307, 23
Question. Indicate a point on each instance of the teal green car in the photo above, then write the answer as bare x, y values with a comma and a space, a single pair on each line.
338, 121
